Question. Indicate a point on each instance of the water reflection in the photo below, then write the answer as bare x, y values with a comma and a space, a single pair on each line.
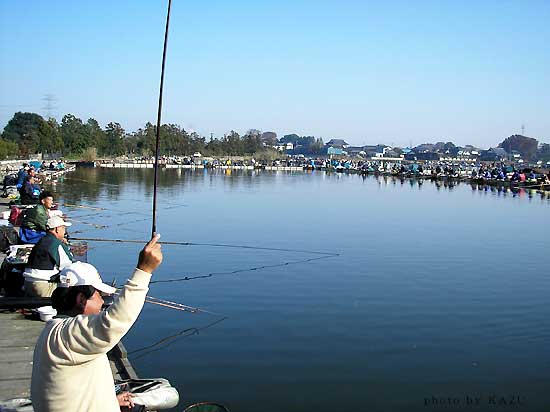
88, 185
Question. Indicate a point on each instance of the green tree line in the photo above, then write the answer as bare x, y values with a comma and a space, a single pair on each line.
29, 133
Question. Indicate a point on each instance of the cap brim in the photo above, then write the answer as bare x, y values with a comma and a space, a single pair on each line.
102, 287
67, 224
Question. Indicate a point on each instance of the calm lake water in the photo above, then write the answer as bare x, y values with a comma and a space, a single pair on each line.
437, 292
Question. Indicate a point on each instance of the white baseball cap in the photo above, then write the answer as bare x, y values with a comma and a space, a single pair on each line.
56, 221
80, 274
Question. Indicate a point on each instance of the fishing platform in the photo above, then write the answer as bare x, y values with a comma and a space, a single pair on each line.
19, 330
18, 334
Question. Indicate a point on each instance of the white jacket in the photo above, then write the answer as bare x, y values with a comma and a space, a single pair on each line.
71, 371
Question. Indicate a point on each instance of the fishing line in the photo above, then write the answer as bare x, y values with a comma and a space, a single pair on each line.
130, 222
120, 224
272, 249
95, 225
165, 342
234, 272
116, 212
172, 205
82, 206
83, 180
321, 256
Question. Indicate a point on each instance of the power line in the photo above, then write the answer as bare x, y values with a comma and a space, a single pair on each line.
49, 104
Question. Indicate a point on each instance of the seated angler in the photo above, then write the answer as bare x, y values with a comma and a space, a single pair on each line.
50, 255
21, 175
29, 192
33, 227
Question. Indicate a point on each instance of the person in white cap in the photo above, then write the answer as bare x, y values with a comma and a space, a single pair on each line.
71, 372
50, 255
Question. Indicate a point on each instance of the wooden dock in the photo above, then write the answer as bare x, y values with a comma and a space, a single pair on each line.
18, 336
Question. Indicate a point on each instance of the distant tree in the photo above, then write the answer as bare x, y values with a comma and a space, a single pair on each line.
449, 146
131, 144
89, 154
74, 134
269, 138
543, 153
526, 146
232, 143
252, 142
115, 135
214, 147
290, 138
198, 143
24, 129
317, 146
254, 132
267, 154
398, 151
50, 137
439, 147
96, 137
173, 140
146, 139
8, 149
306, 141
424, 147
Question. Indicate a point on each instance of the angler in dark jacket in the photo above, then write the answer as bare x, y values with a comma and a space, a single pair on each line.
50, 255
29, 192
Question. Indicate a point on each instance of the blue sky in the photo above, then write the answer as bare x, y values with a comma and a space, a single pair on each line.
392, 72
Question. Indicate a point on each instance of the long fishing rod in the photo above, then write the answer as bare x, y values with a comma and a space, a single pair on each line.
313, 252
178, 306
157, 145
168, 304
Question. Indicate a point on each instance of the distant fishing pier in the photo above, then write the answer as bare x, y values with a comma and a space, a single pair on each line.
151, 165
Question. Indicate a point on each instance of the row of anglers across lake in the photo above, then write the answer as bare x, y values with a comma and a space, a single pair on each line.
79, 362
449, 184
491, 173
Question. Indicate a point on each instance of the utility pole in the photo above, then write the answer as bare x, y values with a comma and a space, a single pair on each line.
49, 104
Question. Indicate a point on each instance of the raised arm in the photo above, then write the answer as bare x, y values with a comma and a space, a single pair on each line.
87, 336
